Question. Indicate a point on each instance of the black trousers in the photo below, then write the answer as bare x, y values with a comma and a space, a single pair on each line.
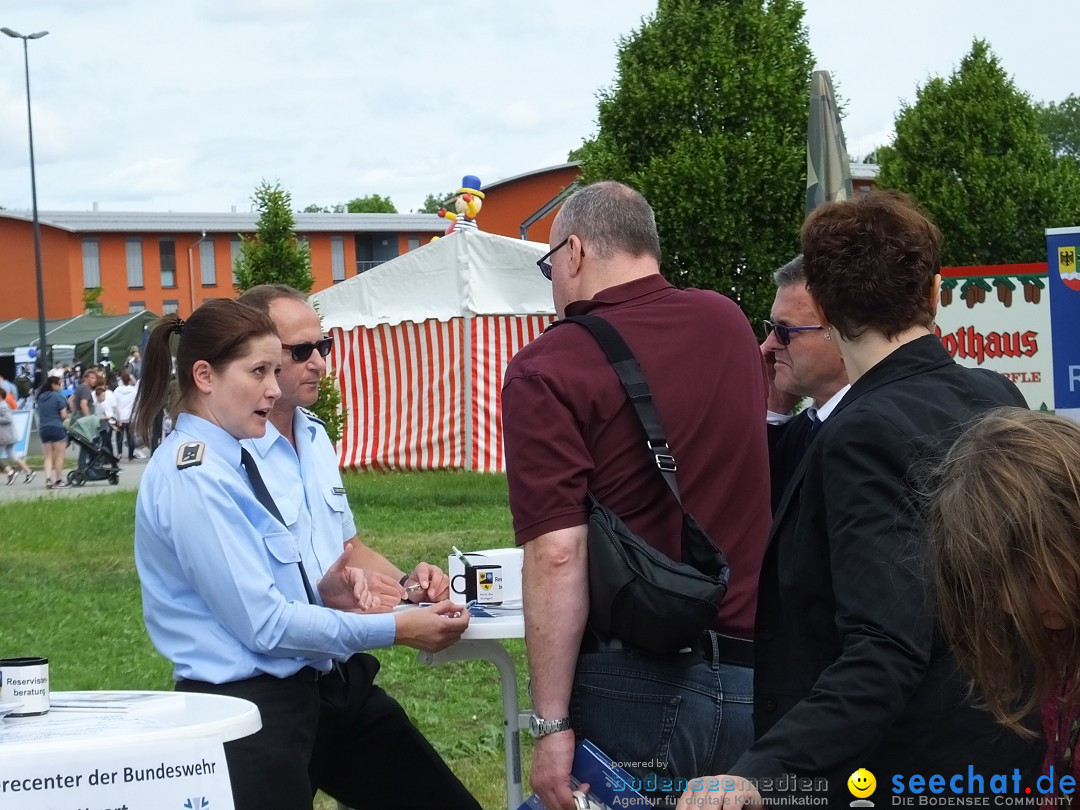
342, 735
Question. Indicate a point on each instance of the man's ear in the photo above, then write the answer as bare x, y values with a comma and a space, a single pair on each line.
203, 374
575, 253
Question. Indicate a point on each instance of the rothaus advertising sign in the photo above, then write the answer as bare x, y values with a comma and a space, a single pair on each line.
998, 317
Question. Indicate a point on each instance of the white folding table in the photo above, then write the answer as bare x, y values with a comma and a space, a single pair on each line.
483, 640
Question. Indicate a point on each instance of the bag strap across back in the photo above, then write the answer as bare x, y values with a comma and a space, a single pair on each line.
633, 380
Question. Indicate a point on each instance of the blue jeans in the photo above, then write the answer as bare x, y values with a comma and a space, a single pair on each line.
665, 719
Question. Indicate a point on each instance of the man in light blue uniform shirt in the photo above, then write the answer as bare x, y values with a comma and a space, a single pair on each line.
300, 467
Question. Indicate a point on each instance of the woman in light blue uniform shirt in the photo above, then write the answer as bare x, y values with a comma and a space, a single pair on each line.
225, 597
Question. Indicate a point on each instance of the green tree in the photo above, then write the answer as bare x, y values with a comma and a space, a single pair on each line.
1061, 124
324, 209
273, 255
371, 204
433, 202
91, 299
971, 152
707, 118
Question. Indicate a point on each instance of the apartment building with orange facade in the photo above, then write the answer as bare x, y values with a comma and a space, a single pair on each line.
172, 262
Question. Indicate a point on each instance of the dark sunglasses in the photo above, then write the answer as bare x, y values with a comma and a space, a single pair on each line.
300, 352
544, 264
784, 333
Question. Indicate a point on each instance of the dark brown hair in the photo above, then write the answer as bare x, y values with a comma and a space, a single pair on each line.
262, 295
1003, 521
870, 263
218, 332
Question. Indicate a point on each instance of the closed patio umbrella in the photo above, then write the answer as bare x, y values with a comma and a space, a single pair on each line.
828, 169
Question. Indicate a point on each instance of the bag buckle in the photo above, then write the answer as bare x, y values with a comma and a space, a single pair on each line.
665, 461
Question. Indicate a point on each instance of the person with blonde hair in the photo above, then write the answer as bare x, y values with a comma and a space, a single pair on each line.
1004, 553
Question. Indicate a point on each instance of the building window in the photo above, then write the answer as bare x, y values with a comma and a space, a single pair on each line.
206, 263
136, 306
91, 265
168, 307
134, 264
337, 258
234, 254
167, 252
414, 242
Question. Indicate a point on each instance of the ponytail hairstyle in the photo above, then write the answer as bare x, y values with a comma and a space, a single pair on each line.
218, 332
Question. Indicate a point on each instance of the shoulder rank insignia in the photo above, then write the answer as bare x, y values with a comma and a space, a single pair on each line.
312, 416
190, 455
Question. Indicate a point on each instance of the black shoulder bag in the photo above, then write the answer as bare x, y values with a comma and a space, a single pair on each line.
638, 594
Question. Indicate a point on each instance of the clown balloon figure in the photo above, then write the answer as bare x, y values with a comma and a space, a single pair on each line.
467, 204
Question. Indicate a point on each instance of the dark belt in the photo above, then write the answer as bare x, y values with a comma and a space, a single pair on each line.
309, 674
738, 652
733, 651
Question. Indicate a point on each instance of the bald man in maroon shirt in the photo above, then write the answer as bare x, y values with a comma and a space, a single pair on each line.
569, 429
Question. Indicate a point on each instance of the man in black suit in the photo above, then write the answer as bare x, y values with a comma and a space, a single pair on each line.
850, 670
802, 362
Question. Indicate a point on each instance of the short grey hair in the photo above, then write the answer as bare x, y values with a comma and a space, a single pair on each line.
610, 217
791, 273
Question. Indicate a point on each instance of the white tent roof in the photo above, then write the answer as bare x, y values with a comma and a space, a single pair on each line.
468, 272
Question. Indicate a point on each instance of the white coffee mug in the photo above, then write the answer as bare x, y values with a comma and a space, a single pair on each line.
25, 681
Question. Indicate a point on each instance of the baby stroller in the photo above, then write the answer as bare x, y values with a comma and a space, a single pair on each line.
97, 463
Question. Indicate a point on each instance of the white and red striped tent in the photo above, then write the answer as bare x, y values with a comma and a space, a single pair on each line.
421, 344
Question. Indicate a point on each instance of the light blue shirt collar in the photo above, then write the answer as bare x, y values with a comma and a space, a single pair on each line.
301, 424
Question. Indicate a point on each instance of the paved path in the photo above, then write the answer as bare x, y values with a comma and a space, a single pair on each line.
130, 474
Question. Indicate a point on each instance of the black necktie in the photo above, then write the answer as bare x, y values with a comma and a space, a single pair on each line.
266, 499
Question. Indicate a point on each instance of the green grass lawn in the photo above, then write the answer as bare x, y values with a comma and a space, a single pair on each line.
71, 593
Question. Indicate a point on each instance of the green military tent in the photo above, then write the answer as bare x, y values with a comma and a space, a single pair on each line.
80, 338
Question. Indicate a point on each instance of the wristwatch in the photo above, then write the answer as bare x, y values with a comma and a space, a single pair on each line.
539, 727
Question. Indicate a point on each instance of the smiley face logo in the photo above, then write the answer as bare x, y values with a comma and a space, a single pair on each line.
862, 783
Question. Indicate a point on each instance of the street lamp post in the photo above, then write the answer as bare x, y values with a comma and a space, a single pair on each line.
42, 348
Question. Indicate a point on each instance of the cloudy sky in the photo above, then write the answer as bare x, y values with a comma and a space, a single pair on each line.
185, 105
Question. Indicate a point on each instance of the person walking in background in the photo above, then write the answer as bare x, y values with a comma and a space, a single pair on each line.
52, 410
134, 363
8, 387
82, 401
8, 440
1004, 551
125, 401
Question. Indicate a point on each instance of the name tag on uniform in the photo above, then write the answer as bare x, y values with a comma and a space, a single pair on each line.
339, 490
